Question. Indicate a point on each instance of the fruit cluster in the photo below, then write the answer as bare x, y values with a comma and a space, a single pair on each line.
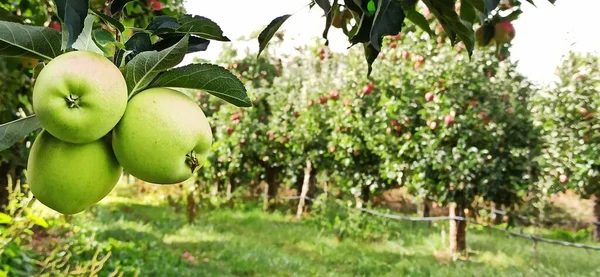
92, 131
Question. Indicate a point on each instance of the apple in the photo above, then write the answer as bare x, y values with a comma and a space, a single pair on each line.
449, 119
321, 50
334, 95
509, 110
355, 153
230, 130
163, 137
68, 177
583, 111
504, 32
563, 178
388, 130
398, 128
393, 45
155, 4
405, 55
310, 103
242, 141
394, 122
323, 100
589, 116
348, 112
429, 96
332, 149
432, 124
368, 89
473, 103
55, 25
347, 102
296, 114
79, 96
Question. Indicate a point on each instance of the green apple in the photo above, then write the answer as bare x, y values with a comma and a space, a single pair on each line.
163, 136
69, 178
79, 96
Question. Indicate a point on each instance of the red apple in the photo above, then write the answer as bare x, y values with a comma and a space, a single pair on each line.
473, 103
449, 119
323, 100
393, 45
332, 149
589, 116
563, 178
263, 118
296, 114
355, 153
230, 130
429, 96
583, 111
509, 110
321, 50
368, 89
394, 122
55, 25
334, 95
504, 32
398, 128
405, 55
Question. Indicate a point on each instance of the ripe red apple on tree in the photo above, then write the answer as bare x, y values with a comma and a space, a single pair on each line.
429, 96
230, 130
393, 45
394, 122
432, 124
334, 95
563, 178
449, 119
323, 100
296, 114
55, 25
504, 32
405, 55
332, 149
368, 89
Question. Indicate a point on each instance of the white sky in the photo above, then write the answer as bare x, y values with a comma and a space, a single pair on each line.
544, 33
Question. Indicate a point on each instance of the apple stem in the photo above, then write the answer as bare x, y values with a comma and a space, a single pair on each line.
192, 161
73, 101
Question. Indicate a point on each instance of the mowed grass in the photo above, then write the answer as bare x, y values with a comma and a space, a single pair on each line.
150, 240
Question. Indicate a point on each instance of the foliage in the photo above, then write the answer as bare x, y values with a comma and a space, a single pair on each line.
567, 114
368, 21
369, 135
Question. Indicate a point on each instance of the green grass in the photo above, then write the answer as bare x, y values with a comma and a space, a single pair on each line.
151, 239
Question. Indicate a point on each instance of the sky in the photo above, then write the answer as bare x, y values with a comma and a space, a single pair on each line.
544, 33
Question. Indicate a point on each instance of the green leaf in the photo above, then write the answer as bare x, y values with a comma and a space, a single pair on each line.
5, 219
363, 34
467, 12
195, 44
418, 19
163, 23
111, 21
18, 40
477, 4
267, 34
85, 41
12, 132
118, 5
73, 14
211, 78
325, 5
388, 21
329, 19
371, 54
37, 220
103, 37
200, 26
136, 44
142, 69
453, 25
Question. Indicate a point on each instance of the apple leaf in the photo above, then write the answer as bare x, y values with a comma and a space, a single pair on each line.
418, 19
118, 5
267, 34
85, 41
142, 69
388, 21
329, 20
162, 24
28, 41
454, 27
211, 78
72, 13
200, 26
12, 132
371, 54
195, 44
115, 23
325, 5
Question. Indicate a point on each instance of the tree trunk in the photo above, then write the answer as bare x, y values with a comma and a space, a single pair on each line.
305, 187
365, 194
458, 233
597, 218
426, 208
272, 186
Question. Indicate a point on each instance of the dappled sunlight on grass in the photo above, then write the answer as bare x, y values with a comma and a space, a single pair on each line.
498, 259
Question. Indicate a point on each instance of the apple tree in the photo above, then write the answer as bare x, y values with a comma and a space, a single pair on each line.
567, 114
101, 89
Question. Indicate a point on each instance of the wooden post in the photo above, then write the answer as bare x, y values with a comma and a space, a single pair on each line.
265, 196
305, 187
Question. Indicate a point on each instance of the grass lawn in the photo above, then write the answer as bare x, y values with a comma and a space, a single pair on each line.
150, 240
